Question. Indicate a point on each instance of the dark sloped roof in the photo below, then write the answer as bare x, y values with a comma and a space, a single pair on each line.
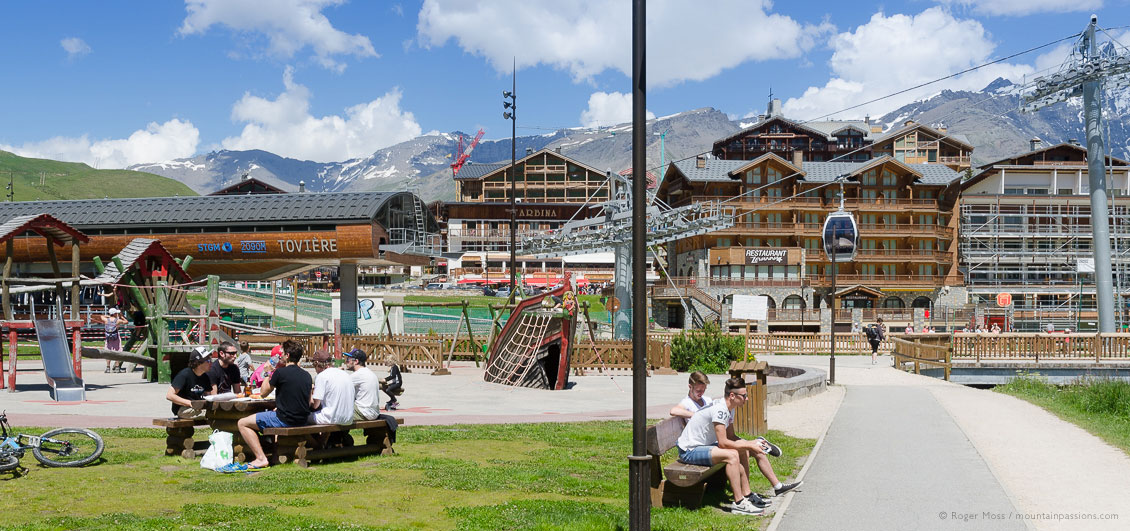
278, 209
249, 185
43, 224
478, 170
715, 170
718, 170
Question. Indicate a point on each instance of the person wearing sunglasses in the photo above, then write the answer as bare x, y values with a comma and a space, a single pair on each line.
709, 439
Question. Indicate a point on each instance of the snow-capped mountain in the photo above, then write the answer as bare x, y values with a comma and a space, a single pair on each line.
993, 123
423, 163
988, 118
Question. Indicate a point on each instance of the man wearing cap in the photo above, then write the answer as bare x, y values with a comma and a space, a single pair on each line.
333, 392
292, 405
368, 403
191, 383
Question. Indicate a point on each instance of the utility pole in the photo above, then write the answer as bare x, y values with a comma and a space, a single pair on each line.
510, 101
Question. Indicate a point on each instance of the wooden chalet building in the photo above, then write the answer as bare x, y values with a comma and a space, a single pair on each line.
552, 188
906, 218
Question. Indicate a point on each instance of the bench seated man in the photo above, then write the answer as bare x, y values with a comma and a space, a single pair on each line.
367, 405
191, 383
293, 386
709, 439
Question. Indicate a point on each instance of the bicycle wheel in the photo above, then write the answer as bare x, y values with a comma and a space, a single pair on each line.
76, 447
8, 462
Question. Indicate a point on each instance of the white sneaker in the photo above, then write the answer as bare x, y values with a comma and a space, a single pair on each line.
745, 507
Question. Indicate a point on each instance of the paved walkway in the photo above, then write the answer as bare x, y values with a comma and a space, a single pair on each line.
911, 452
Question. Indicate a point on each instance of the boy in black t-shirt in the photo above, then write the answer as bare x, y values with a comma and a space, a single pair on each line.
224, 373
191, 383
292, 405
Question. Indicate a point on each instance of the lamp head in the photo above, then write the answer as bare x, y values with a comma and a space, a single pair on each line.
507, 116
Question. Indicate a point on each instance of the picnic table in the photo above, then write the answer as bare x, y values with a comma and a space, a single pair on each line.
300, 445
224, 415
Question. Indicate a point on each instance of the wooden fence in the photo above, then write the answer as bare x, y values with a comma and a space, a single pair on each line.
613, 354
310, 343
919, 352
410, 351
810, 343
1041, 347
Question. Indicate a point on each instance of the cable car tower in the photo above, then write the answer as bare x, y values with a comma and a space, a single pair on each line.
612, 231
1084, 72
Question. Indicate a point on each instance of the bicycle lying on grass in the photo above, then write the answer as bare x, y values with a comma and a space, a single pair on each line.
63, 447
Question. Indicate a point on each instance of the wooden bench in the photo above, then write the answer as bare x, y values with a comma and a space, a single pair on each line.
684, 484
179, 436
304, 444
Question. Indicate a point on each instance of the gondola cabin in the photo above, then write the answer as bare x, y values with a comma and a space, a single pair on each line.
841, 236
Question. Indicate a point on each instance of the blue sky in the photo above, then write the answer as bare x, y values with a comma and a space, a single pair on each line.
115, 83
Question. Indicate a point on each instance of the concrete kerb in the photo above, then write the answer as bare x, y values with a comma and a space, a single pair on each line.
797, 383
779, 510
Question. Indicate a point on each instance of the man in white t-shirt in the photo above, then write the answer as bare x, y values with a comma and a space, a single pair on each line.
333, 396
709, 439
368, 403
696, 398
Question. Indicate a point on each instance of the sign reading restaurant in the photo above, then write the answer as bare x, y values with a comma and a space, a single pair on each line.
766, 256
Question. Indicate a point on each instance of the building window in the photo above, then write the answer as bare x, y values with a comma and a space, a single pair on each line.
1066, 191
893, 302
793, 302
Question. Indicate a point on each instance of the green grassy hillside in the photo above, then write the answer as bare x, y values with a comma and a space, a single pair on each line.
41, 179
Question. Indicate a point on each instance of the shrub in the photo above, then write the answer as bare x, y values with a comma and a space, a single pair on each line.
708, 350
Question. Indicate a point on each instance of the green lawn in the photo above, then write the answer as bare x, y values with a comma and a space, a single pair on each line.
522, 476
1101, 407
281, 322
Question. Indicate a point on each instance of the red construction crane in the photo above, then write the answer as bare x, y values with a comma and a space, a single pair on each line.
462, 156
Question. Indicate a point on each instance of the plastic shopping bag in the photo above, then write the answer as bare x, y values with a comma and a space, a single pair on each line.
219, 451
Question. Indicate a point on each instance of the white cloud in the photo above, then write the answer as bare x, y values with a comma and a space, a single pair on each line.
285, 127
1024, 7
75, 47
288, 25
687, 42
607, 109
889, 54
157, 142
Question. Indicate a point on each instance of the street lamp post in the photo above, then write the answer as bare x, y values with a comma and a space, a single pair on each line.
840, 237
510, 98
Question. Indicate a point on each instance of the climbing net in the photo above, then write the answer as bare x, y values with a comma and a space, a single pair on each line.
511, 361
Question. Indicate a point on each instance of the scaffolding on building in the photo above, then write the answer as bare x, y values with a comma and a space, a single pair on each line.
1039, 250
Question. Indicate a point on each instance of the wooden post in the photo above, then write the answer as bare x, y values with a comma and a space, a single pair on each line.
294, 288
75, 284
3, 371
160, 327
9, 251
13, 353
471, 333
212, 291
76, 345
274, 296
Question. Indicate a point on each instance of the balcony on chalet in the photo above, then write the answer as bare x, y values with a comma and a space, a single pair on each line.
888, 255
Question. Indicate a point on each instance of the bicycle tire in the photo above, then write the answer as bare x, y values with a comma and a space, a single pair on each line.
8, 462
82, 455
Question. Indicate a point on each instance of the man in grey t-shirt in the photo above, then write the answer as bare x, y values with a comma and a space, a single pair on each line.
709, 439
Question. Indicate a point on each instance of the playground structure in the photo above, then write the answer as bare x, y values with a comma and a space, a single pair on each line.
61, 367
534, 348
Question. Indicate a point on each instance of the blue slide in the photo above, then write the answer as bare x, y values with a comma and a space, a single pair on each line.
57, 362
